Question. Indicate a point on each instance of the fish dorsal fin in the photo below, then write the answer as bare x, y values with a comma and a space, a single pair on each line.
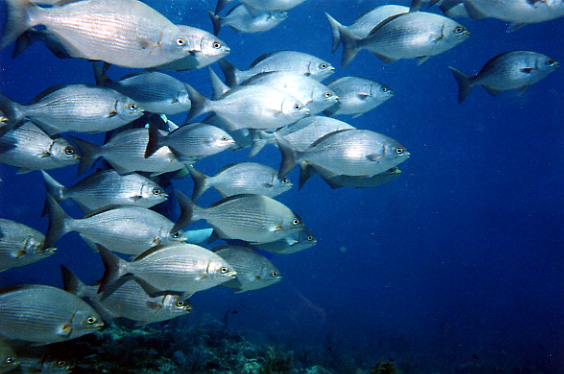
150, 251
9, 289
319, 140
384, 22
262, 58
102, 210
47, 92
230, 198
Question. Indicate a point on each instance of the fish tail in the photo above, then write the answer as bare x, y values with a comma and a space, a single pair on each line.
416, 5
72, 284
230, 72
156, 139
289, 156
114, 269
216, 21
88, 153
218, 87
201, 182
464, 84
350, 48
259, 142
221, 4
11, 110
306, 171
200, 103
53, 188
59, 222
335, 26
100, 76
187, 211
18, 20
24, 41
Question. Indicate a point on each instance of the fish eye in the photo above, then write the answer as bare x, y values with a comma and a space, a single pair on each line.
180, 42
399, 150
459, 29
310, 238
328, 94
223, 270
61, 364
285, 180
180, 303
297, 106
69, 151
217, 45
550, 61
132, 106
274, 274
296, 222
91, 320
176, 234
9, 360
157, 191
323, 65
224, 139
384, 89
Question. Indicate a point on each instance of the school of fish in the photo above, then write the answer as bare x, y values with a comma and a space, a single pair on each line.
279, 100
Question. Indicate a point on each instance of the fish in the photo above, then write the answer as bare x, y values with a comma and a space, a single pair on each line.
128, 33
130, 300
417, 35
74, 107
181, 267
297, 62
272, 5
124, 229
240, 178
254, 271
346, 152
125, 152
27, 147
243, 20
362, 26
250, 106
313, 94
191, 142
108, 187
8, 359
357, 95
248, 217
296, 242
339, 181
205, 49
44, 365
517, 12
44, 314
155, 92
21, 245
507, 71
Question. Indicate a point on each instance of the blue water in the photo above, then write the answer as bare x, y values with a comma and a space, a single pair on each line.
459, 261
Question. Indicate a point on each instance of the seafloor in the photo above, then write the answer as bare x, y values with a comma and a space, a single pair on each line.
211, 346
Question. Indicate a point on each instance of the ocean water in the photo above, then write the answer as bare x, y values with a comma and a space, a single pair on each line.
455, 267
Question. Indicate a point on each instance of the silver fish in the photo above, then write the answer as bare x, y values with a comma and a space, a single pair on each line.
357, 95
205, 48
254, 271
8, 359
250, 106
125, 151
44, 314
507, 71
362, 26
518, 12
21, 245
314, 95
178, 267
130, 300
155, 92
408, 35
296, 242
44, 365
346, 152
241, 178
339, 181
107, 187
74, 107
124, 229
272, 5
191, 142
251, 218
27, 147
297, 62
241, 19
127, 33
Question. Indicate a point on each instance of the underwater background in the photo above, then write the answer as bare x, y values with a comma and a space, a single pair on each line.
455, 267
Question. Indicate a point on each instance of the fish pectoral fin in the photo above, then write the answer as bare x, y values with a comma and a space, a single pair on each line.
527, 70
112, 113
523, 89
201, 277
422, 59
156, 241
136, 197
275, 228
154, 306
65, 330
385, 59
375, 157
19, 253
44, 154
514, 26
492, 91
